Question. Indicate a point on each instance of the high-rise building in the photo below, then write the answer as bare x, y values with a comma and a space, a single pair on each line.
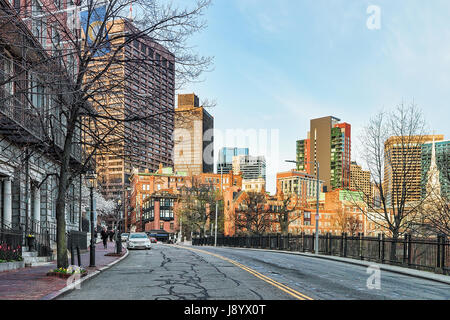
225, 162
360, 180
340, 155
146, 88
194, 137
251, 167
403, 167
329, 144
302, 156
442, 164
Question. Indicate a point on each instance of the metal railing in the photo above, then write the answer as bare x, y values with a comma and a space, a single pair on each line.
432, 254
43, 232
10, 244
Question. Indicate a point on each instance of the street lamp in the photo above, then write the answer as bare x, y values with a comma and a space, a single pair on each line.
217, 202
91, 176
118, 237
316, 245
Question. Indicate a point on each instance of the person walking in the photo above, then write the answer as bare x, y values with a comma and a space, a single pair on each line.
104, 236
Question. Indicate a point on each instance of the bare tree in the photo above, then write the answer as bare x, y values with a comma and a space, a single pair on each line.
198, 206
392, 146
287, 211
72, 78
252, 214
345, 221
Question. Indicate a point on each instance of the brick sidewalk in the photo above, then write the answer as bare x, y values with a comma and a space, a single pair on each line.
33, 283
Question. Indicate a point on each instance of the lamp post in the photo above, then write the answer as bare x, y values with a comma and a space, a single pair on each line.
217, 203
118, 237
316, 244
91, 176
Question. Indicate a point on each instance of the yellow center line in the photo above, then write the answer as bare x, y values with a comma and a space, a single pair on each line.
276, 284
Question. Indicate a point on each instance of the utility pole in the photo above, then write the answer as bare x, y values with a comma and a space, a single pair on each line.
221, 179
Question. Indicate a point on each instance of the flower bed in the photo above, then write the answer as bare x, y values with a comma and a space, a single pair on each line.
9, 253
67, 272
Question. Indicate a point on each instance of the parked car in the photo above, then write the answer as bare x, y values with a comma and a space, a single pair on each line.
138, 240
124, 236
153, 240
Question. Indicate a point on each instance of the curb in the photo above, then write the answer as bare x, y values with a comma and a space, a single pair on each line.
383, 267
71, 287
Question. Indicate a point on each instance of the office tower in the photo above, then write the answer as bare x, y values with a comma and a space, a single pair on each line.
251, 167
145, 90
329, 144
225, 162
441, 164
403, 167
360, 180
193, 137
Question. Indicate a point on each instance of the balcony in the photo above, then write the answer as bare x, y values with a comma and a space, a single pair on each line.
23, 126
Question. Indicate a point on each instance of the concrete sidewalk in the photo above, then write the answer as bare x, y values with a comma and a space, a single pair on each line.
384, 267
33, 283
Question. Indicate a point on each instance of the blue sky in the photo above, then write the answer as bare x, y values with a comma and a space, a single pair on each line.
280, 63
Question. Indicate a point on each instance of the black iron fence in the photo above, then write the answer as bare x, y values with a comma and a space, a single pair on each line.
43, 233
425, 254
77, 239
10, 244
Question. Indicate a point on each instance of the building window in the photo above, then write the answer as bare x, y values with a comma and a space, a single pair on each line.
161, 225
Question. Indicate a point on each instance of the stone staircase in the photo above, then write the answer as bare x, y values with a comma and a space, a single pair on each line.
31, 257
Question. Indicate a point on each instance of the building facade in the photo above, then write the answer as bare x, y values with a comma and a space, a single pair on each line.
145, 184
403, 167
251, 167
442, 161
329, 144
30, 115
225, 162
193, 137
299, 183
254, 185
360, 181
145, 88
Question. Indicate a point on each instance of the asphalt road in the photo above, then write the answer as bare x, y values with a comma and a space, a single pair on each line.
171, 272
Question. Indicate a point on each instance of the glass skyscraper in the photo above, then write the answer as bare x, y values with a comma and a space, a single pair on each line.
226, 155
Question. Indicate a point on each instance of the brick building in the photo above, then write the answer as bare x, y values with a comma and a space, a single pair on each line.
144, 185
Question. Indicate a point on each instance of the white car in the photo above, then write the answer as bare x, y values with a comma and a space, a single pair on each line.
138, 240
124, 237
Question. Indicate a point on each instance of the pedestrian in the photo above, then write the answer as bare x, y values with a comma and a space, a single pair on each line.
104, 236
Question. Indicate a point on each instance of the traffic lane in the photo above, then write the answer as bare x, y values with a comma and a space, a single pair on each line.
326, 279
169, 273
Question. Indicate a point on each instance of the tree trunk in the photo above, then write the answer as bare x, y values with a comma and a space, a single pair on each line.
61, 241
393, 255
61, 245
